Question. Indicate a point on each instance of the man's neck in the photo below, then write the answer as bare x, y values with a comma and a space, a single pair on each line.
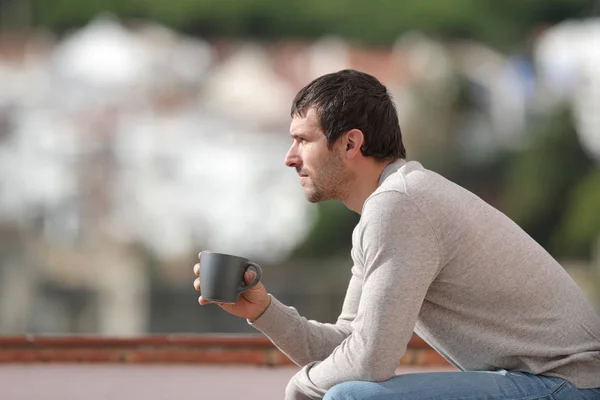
365, 183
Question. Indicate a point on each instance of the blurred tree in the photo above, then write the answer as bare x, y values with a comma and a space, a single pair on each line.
499, 23
15, 14
331, 235
540, 180
579, 229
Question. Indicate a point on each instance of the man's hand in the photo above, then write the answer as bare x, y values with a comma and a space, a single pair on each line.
251, 304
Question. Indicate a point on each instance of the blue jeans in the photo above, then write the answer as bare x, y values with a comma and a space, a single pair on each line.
498, 385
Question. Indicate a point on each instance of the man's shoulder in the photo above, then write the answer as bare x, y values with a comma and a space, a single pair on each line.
413, 187
411, 180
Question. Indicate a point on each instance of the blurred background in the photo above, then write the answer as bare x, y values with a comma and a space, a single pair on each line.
135, 134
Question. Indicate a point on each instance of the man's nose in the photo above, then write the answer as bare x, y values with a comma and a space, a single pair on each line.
292, 159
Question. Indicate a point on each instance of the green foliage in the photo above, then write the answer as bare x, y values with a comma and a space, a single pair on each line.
332, 233
541, 177
501, 23
580, 226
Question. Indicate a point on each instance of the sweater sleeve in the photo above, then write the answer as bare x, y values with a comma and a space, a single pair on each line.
401, 258
303, 340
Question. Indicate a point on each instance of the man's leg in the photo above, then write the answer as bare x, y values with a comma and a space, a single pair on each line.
499, 385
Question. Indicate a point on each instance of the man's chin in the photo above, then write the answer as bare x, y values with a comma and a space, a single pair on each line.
314, 197
310, 196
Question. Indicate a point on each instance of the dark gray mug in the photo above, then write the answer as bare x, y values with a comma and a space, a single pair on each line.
222, 276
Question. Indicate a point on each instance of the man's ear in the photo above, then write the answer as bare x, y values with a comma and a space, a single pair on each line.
353, 142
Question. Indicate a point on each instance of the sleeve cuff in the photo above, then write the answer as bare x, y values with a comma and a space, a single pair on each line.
271, 319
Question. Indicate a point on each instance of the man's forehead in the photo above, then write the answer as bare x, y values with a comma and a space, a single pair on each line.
308, 123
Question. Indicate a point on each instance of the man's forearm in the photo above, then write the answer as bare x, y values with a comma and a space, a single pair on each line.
302, 340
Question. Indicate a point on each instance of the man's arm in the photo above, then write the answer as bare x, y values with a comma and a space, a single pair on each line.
303, 340
401, 259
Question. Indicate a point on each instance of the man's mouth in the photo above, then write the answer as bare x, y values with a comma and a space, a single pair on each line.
302, 178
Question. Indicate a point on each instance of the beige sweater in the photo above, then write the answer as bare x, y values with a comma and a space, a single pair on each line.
432, 257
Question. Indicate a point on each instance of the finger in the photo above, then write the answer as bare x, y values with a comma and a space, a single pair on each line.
203, 301
197, 269
197, 284
249, 277
204, 251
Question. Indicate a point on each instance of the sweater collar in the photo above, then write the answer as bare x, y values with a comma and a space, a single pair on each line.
391, 168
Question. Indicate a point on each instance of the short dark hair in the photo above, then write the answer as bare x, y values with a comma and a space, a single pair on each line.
351, 99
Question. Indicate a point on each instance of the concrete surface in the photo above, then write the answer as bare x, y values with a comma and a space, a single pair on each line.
148, 382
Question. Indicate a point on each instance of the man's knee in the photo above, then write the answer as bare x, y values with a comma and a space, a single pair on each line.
353, 390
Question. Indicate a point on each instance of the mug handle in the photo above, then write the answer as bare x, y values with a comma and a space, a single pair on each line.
256, 280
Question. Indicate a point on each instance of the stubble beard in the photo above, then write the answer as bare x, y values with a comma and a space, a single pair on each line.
329, 182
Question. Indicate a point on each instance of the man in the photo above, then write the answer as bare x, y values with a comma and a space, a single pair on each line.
428, 256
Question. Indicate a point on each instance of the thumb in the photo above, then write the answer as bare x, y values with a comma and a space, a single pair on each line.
249, 277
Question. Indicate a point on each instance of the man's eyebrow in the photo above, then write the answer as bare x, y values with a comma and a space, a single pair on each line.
297, 134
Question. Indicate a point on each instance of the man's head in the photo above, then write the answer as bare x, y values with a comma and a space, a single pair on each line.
339, 120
